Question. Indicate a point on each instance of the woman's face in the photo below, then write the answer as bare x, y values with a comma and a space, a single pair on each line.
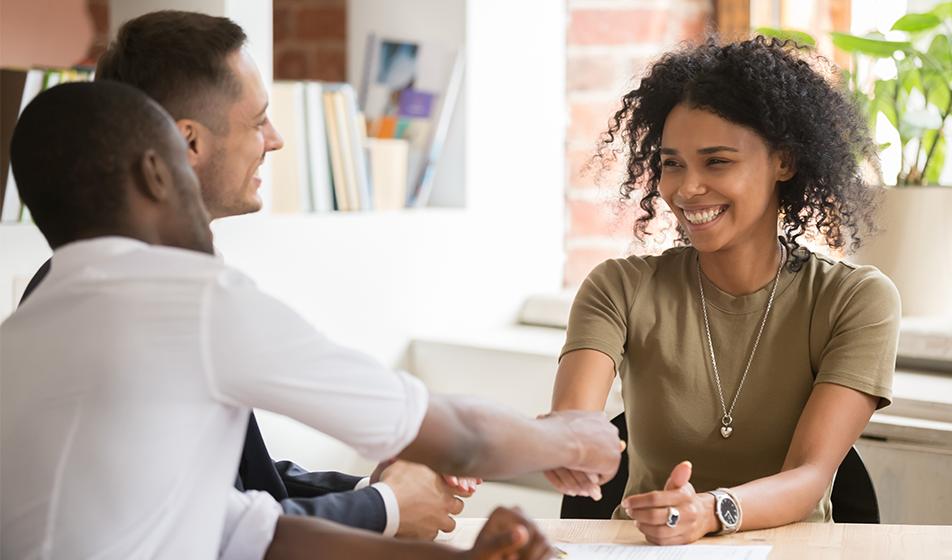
720, 179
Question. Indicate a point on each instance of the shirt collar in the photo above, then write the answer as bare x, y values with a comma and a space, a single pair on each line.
79, 254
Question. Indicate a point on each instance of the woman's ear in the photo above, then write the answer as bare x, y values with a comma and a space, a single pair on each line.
787, 165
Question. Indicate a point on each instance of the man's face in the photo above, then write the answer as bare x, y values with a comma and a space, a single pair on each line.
229, 172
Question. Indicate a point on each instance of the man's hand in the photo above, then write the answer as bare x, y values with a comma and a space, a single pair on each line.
508, 535
599, 452
426, 501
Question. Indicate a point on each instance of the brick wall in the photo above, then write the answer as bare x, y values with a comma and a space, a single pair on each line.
310, 38
609, 44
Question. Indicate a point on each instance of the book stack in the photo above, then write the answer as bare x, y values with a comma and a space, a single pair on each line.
17, 88
409, 92
327, 162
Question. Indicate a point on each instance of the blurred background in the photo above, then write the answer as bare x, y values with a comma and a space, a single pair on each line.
466, 279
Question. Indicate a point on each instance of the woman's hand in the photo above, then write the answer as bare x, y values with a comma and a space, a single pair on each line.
462, 486
695, 512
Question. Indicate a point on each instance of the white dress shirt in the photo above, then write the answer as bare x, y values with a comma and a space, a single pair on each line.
131, 366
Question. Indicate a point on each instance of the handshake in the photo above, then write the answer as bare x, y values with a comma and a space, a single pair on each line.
597, 452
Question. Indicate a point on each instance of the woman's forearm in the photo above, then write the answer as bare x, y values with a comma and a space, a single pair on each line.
783, 498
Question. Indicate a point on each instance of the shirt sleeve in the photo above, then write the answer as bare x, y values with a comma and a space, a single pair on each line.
260, 353
601, 309
864, 318
250, 519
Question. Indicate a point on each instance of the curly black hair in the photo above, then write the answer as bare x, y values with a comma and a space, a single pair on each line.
776, 88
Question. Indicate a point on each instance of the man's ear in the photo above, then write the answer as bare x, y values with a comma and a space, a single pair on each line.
155, 176
787, 166
193, 132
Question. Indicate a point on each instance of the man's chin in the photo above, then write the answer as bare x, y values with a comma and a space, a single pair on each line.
249, 206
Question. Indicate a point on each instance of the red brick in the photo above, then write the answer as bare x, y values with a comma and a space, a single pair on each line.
695, 28
320, 23
581, 168
617, 27
587, 73
580, 261
588, 120
290, 65
281, 24
328, 63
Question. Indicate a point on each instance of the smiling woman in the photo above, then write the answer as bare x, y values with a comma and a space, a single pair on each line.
749, 365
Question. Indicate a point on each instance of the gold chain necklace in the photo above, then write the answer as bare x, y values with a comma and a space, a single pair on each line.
726, 420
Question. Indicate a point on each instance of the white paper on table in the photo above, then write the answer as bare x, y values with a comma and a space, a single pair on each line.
650, 552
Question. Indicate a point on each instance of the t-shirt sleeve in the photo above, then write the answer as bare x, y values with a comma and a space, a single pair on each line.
260, 353
864, 315
599, 316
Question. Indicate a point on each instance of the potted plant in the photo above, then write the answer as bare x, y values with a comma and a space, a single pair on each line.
914, 247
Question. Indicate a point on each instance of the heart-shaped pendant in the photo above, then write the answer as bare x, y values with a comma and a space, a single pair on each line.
726, 431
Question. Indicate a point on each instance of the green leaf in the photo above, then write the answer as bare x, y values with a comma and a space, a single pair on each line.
938, 87
908, 74
940, 51
798, 37
872, 47
934, 167
883, 90
916, 22
943, 10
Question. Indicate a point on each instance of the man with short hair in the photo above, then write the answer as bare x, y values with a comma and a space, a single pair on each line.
141, 355
195, 66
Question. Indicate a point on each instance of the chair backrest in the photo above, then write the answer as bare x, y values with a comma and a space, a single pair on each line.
580, 507
853, 498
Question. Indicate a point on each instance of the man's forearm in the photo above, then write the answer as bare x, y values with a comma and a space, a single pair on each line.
298, 537
513, 445
470, 437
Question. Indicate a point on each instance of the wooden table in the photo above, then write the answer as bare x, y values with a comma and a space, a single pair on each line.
793, 542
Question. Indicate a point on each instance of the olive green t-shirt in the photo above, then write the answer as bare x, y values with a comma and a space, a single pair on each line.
831, 322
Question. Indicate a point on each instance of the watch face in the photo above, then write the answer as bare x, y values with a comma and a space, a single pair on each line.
729, 511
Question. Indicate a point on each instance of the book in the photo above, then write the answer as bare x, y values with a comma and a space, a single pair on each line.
290, 188
341, 190
319, 166
409, 91
357, 133
387, 158
423, 182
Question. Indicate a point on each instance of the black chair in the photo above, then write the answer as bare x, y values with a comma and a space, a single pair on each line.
853, 498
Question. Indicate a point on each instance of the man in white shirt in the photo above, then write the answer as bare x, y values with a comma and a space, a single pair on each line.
194, 65
140, 356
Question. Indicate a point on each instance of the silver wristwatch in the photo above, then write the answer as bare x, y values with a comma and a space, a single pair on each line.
727, 509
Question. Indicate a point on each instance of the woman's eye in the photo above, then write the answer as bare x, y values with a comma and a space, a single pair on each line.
716, 161
669, 163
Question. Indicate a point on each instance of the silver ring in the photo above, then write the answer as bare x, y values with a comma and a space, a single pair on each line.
673, 517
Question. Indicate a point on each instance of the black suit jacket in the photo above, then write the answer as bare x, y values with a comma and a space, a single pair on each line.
329, 495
